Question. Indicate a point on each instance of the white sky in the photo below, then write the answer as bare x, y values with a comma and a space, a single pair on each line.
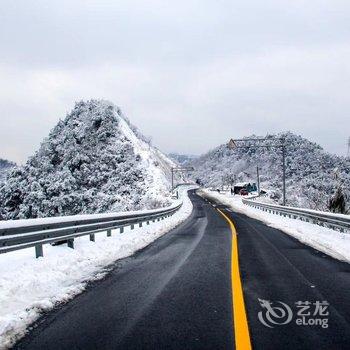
191, 74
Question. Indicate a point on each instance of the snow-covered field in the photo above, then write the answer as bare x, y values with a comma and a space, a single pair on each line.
30, 286
328, 241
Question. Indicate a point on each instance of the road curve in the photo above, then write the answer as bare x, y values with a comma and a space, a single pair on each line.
177, 293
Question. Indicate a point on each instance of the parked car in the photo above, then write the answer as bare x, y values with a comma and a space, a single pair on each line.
243, 192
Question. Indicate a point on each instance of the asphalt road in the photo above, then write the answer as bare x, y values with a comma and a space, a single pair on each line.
177, 293
277, 267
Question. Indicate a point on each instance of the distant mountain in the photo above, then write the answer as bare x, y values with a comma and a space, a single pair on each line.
93, 161
5, 167
182, 159
312, 175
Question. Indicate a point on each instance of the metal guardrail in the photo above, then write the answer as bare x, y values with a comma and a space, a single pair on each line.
338, 222
16, 235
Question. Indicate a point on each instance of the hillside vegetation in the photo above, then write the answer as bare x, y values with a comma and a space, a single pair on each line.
5, 167
312, 175
93, 161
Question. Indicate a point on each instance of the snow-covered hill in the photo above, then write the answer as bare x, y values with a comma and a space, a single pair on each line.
5, 167
92, 161
182, 159
312, 174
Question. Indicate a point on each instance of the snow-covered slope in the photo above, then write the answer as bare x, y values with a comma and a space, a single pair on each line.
312, 175
182, 159
93, 161
5, 167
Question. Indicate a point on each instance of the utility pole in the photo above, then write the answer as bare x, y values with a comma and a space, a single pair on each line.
233, 143
284, 171
258, 177
172, 179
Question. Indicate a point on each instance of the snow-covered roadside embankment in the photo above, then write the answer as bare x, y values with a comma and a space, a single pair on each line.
328, 241
30, 286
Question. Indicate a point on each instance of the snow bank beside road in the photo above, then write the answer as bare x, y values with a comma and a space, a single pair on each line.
330, 242
30, 286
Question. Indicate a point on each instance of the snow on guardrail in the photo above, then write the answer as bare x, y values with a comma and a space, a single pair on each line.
21, 234
335, 221
324, 239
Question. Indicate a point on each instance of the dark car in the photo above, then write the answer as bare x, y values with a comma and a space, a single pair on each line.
243, 192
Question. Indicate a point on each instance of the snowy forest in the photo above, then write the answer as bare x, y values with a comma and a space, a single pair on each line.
93, 161
5, 167
313, 176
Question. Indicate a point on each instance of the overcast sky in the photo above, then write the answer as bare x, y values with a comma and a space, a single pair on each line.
191, 74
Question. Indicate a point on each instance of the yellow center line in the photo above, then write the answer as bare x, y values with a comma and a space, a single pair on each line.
242, 337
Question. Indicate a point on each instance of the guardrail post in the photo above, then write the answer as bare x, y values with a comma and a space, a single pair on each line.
147, 222
140, 224
109, 232
70, 243
132, 226
39, 250
122, 229
92, 237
